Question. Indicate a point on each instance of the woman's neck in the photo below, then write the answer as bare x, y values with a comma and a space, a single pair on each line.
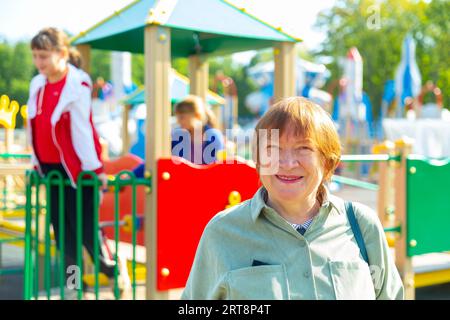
57, 75
296, 212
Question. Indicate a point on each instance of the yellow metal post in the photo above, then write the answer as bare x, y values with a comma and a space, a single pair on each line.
285, 70
217, 110
85, 52
385, 193
198, 76
125, 133
403, 262
157, 70
9, 139
198, 82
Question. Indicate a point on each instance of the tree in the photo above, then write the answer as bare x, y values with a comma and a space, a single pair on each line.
100, 64
16, 71
433, 51
239, 73
350, 23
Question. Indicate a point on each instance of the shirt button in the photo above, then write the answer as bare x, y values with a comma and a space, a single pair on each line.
302, 244
306, 274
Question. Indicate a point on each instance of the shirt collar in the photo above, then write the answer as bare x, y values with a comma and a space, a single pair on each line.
258, 202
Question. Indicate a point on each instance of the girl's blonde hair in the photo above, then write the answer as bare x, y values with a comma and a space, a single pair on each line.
310, 121
75, 57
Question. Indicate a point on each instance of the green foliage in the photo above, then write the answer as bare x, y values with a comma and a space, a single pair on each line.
137, 69
100, 64
239, 74
181, 65
16, 71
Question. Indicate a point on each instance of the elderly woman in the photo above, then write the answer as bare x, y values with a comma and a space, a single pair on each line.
294, 240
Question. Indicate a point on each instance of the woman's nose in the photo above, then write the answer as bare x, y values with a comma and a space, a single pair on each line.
288, 160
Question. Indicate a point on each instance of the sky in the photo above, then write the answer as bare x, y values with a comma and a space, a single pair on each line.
21, 19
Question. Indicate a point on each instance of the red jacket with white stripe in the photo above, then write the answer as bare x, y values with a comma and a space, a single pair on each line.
73, 131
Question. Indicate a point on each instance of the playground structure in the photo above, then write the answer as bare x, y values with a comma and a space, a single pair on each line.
413, 205
409, 205
10, 163
410, 201
123, 129
135, 109
12, 183
162, 30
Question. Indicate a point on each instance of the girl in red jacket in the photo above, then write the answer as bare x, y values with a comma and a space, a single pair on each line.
63, 136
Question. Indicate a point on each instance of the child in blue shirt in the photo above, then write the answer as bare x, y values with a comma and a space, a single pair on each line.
197, 139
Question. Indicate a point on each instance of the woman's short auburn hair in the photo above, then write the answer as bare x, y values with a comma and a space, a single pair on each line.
309, 121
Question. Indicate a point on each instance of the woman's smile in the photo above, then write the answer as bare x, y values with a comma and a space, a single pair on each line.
289, 179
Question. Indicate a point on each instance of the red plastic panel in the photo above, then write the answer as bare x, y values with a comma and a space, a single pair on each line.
127, 162
191, 196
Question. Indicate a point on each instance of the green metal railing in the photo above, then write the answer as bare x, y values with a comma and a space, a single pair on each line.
35, 248
364, 184
15, 156
369, 158
363, 158
355, 183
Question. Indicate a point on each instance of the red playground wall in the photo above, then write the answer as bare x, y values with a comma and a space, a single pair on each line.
189, 196
186, 202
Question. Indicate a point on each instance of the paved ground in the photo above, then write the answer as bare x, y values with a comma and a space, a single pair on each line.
11, 285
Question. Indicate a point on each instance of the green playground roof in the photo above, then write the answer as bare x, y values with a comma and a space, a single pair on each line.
207, 26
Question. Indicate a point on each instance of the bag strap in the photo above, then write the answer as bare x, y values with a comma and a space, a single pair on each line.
356, 230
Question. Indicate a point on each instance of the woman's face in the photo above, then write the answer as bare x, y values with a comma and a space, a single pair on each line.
48, 61
298, 171
187, 120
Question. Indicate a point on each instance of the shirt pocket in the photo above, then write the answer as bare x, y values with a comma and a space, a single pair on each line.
351, 280
267, 282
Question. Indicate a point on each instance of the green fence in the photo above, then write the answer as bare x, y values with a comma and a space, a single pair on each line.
40, 246
427, 205
427, 201
363, 158
15, 156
